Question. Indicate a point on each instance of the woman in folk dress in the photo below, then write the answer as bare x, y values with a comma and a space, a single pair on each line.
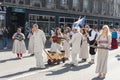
66, 45
84, 49
103, 40
19, 45
56, 46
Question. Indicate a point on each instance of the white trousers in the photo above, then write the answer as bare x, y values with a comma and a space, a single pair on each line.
74, 57
39, 60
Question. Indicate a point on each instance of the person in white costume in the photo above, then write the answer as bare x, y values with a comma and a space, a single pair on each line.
39, 45
76, 44
84, 54
30, 44
66, 45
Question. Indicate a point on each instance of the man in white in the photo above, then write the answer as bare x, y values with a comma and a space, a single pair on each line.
76, 44
39, 44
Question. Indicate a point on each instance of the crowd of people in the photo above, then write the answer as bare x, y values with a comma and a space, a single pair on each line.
76, 43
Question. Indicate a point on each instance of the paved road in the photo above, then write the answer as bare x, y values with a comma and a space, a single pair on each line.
12, 68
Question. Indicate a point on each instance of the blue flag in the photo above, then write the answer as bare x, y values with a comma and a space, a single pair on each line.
79, 23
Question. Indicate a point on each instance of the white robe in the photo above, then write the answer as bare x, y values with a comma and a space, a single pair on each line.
39, 43
84, 53
66, 45
39, 40
76, 43
102, 56
30, 44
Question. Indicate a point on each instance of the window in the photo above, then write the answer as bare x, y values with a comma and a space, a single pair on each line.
27, 2
8, 1
70, 20
75, 3
62, 19
50, 4
85, 4
2, 22
14, 1
35, 3
21, 1
50, 1
95, 6
92, 22
32, 17
52, 18
64, 4
103, 8
45, 22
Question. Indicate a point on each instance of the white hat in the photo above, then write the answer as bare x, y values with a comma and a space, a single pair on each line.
74, 28
77, 28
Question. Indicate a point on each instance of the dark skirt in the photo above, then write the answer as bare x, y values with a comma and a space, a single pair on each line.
114, 44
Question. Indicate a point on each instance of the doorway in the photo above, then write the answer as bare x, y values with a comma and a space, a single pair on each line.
17, 20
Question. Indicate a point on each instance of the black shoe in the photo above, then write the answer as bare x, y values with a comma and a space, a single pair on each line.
32, 55
82, 61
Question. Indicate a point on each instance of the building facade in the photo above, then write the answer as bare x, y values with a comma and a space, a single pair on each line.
52, 13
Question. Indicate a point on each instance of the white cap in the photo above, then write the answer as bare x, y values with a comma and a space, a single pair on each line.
77, 28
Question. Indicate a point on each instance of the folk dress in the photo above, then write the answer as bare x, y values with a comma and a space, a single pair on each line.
18, 46
102, 54
84, 49
66, 45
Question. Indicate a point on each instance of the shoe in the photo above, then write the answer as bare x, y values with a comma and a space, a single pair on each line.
82, 61
32, 55
99, 76
91, 62
102, 77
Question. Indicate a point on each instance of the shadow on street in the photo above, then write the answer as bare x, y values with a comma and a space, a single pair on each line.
96, 78
118, 57
67, 68
15, 74
12, 59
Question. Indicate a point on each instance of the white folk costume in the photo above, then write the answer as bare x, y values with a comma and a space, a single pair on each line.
92, 36
84, 49
66, 45
39, 43
19, 44
30, 44
76, 43
102, 53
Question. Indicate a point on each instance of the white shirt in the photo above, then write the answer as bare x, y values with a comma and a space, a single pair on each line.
93, 34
